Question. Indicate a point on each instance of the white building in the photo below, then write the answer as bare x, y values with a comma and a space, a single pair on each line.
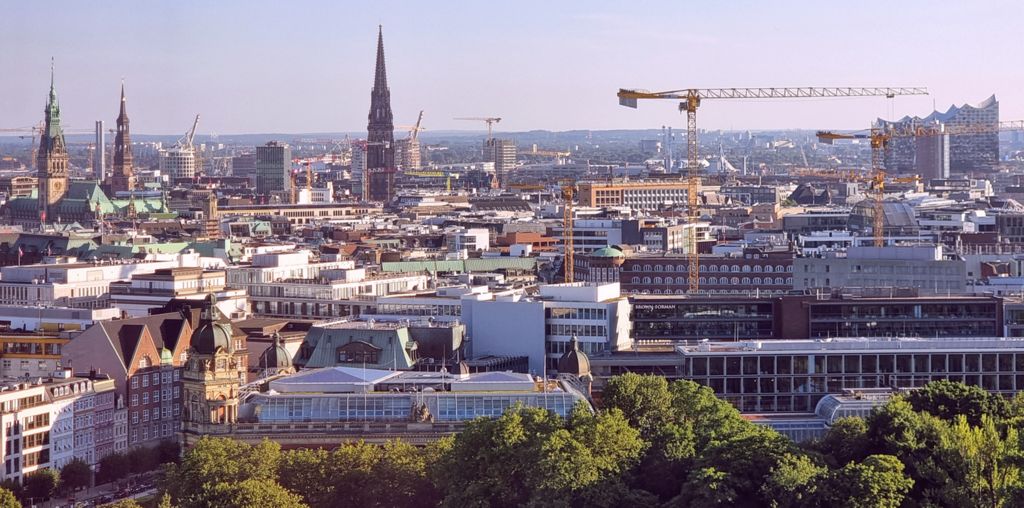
541, 327
53, 319
178, 162
469, 239
73, 283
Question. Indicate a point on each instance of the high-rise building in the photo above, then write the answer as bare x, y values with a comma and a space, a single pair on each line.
408, 153
99, 155
502, 152
358, 170
52, 160
244, 165
273, 164
122, 175
179, 162
925, 155
380, 139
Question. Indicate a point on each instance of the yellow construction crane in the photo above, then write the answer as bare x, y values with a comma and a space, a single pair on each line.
690, 99
568, 244
491, 120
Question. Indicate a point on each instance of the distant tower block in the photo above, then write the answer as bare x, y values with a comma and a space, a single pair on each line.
99, 155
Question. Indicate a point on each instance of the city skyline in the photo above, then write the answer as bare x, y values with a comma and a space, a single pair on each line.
553, 67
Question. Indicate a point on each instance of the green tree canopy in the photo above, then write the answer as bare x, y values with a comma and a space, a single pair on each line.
213, 461
252, 493
75, 475
8, 499
947, 400
877, 482
41, 484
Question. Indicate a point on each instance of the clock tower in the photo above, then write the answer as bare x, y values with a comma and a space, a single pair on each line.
52, 160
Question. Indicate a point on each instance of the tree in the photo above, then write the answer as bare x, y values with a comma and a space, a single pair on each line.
14, 486
948, 399
75, 475
732, 472
991, 462
877, 482
530, 456
41, 484
252, 493
792, 483
846, 441
917, 440
713, 419
309, 474
169, 450
165, 501
113, 467
8, 499
219, 460
644, 400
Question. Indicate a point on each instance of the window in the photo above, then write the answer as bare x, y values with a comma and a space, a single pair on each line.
145, 381
156, 378
156, 396
144, 362
135, 417
135, 382
636, 280
176, 392
145, 415
358, 352
145, 398
135, 399
176, 373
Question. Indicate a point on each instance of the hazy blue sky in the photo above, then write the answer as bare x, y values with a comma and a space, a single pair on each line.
303, 66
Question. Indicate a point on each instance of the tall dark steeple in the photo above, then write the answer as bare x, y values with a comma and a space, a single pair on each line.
380, 150
122, 176
52, 160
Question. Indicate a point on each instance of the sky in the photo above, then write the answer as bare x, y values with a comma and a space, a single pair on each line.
307, 66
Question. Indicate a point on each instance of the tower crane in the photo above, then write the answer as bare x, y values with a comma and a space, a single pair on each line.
690, 100
568, 243
489, 119
880, 139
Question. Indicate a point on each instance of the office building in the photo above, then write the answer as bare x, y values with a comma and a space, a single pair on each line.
502, 152
751, 271
643, 195
924, 267
542, 326
273, 168
144, 293
244, 166
897, 314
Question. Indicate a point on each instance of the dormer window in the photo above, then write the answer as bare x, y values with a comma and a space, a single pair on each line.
145, 362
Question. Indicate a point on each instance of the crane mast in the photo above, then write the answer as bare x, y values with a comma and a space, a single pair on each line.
690, 100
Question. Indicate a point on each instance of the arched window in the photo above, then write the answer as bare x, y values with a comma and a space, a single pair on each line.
657, 280
789, 268
779, 268
647, 280
757, 268
703, 268
746, 281
768, 268
657, 268
778, 281
636, 280
757, 281
789, 281
701, 281
647, 268
669, 280
713, 268
746, 268
735, 268
657, 291
679, 291
735, 280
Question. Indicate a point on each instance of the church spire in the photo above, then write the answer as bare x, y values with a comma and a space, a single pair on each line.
122, 176
380, 78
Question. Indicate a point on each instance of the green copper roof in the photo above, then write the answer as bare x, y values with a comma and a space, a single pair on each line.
607, 252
